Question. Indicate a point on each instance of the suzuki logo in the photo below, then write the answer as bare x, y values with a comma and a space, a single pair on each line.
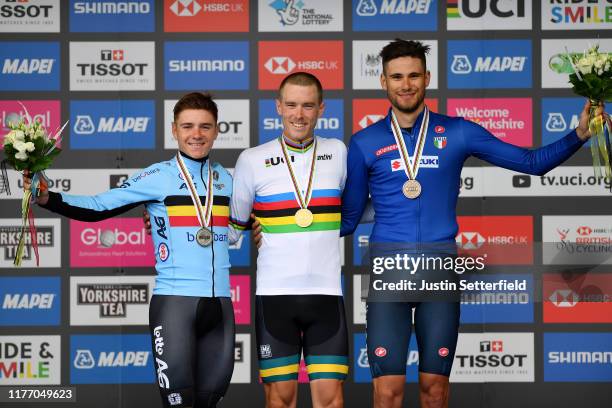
461, 65
185, 8
368, 120
555, 122
584, 231
470, 240
280, 65
564, 298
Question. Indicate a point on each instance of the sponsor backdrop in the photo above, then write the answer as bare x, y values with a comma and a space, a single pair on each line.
115, 69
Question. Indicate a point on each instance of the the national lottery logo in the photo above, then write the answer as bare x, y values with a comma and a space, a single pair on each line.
288, 11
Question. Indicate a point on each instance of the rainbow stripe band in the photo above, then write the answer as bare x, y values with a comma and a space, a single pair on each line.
276, 212
279, 369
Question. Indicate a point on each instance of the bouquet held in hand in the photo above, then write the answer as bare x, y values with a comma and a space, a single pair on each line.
28, 147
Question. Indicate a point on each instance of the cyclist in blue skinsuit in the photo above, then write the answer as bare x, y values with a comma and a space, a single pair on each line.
191, 316
422, 211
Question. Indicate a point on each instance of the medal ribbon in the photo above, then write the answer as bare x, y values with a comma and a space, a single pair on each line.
203, 215
411, 168
302, 201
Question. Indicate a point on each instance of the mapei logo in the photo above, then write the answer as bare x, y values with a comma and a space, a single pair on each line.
280, 65
559, 115
556, 122
470, 240
29, 66
29, 301
84, 360
116, 124
391, 15
461, 64
489, 63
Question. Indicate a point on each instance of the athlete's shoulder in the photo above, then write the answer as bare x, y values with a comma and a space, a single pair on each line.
221, 171
439, 119
372, 131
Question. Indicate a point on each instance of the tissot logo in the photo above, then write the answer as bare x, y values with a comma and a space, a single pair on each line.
106, 66
33, 16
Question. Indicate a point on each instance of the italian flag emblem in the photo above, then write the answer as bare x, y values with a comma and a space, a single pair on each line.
440, 142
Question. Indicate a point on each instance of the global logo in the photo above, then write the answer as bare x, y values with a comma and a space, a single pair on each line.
185, 8
470, 240
461, 65
84, 359
287, 10
555, 122
280, 65
564, 298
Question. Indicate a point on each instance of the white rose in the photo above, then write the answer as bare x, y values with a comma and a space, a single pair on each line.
23, 156
9, 139
584, 66
19, 135
39, 133
19, 145
29, 146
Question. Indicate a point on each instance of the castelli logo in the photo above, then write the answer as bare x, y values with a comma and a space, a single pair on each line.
380, 352
443, 352
439, 129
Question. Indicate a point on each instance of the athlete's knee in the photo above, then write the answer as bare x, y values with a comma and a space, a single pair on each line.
206, 399
388, 392
280, 395
434, 392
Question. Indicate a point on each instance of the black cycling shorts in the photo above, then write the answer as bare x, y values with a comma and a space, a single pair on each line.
388, 330
193, 345
288, 325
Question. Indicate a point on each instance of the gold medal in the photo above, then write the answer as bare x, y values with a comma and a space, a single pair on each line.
411, 189
204, 237
304, 217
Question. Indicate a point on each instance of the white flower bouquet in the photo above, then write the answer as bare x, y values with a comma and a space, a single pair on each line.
30, 148
592, 78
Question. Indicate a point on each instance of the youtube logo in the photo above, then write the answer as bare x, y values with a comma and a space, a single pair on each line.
521, 181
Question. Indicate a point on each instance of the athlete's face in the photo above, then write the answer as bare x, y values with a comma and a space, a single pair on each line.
299, 109
405, 80
195, 130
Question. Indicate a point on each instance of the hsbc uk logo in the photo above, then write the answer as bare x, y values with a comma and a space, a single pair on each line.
368, 120
470, 240
564, 298
285, 65
190, 8
185, 8
280, 65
